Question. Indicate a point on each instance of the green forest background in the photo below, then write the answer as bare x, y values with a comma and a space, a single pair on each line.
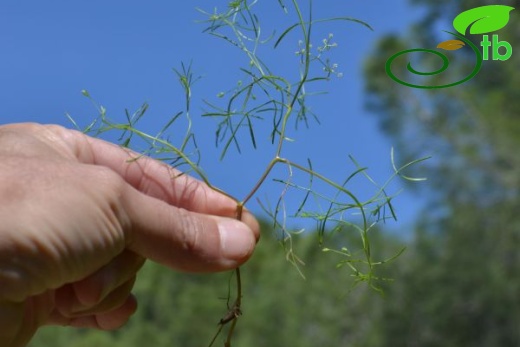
457, 284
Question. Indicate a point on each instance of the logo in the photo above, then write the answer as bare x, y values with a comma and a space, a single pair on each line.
478, 21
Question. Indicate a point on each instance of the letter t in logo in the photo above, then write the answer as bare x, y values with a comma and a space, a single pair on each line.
485, 47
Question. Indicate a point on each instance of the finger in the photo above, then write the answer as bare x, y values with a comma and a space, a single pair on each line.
185, 240
95, 288
118, 317
113, 300
145, 174
151, 177
67, 308
110, 320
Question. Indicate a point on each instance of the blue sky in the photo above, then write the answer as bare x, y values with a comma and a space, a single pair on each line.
123, 53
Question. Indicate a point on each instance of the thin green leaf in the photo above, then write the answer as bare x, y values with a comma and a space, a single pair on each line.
286, 31
399, 171
348, 19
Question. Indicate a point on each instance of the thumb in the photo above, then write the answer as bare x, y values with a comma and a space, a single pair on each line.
186, 240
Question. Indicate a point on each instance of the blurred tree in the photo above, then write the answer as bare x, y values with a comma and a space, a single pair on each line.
460, 284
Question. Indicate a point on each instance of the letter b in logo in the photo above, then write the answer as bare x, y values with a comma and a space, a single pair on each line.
496, 46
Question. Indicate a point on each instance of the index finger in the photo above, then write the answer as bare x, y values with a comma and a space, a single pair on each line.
152, 177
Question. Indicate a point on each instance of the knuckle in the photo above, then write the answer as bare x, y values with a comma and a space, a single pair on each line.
18, 279
190, 232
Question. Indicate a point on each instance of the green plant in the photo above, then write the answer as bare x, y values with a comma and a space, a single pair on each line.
266, 95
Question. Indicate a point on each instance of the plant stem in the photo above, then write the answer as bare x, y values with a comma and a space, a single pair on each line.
236, 308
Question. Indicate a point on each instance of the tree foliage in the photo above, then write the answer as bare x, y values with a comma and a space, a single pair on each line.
459, 286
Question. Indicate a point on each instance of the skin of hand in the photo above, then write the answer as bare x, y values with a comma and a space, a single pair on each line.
78, 218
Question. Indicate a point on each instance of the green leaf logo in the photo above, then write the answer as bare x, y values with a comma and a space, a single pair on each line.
482, 20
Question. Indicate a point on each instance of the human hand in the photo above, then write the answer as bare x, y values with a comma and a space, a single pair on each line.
77, 221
